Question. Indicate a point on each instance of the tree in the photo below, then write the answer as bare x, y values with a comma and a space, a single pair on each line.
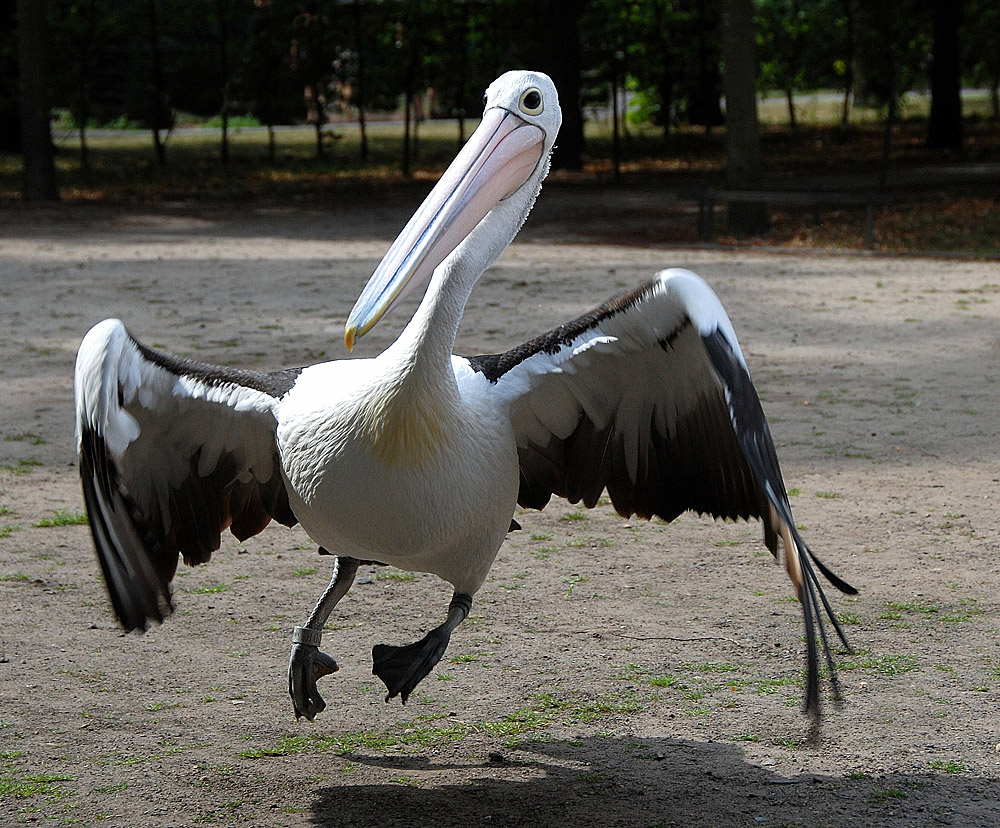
744, 163
36, 130
944, 129
979, 40
559, 55
10, 118
160, 100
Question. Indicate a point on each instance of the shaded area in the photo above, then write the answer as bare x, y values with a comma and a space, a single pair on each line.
658, 782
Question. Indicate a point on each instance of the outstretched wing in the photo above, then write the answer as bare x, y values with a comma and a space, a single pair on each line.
172, 452
649, 397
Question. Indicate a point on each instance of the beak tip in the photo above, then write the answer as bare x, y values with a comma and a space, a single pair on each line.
350, 334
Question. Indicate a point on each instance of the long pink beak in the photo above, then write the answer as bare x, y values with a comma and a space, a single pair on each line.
499, 158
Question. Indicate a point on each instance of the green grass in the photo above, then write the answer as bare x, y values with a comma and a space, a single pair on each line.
437, 730
15, 783
465, 658
887, 795
882, 665
24, 466
63, 518
206, 590
948, 766
395, 575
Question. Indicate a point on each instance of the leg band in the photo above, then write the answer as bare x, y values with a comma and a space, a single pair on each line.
307, 635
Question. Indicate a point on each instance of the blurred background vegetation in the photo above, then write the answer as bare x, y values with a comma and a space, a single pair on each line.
216, 98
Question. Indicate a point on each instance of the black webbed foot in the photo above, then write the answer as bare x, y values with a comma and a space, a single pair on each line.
403, 668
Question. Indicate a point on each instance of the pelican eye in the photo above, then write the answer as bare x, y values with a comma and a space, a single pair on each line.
531, 102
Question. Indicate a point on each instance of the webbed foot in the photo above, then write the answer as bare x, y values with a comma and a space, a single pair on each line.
403, 668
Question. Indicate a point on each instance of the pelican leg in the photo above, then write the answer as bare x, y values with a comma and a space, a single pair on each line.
307, 662
402, 668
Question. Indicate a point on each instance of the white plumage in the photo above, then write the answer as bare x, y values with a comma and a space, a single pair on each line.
417, 457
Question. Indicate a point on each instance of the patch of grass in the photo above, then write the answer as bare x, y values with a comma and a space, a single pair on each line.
465, 658
9, 529
712, 667
395, 575
424, 731
15, 576
948, 766
888, 794
571, 582
578, 516
884, 665
24, 466
63, 518
17, 784
154, 707
665, 681
206, 590
106, 789
25, 436
301, 573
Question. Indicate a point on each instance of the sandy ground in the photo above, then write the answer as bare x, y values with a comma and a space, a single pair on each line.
614, 672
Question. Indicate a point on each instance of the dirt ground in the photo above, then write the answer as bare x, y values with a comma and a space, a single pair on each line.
613, 672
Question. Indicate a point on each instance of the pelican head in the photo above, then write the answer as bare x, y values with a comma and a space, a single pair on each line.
504, 161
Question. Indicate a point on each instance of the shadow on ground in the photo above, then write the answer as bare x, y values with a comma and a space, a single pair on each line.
660, 782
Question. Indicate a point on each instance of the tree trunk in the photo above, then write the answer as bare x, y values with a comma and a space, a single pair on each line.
944, 130
220, 10
85, 81
616, 150
36, 128
359, 99
158, 94
320, 110
561, 58
845, 113
790, 98
744, 164
463, 73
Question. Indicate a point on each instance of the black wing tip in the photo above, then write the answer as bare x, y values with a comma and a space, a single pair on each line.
830, 575
138, 594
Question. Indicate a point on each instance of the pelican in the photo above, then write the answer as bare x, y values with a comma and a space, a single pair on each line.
417, 458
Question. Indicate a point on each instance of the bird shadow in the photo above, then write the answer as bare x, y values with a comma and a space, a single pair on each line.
617, 781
